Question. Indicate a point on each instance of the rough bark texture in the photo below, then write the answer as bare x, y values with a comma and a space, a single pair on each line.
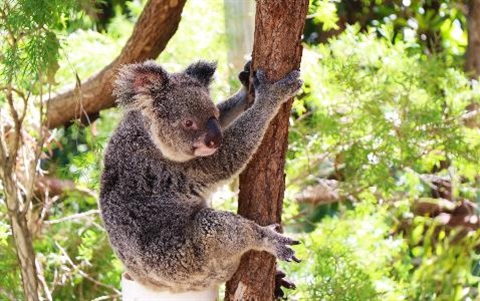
473, 50
277, 49
22, 240
26, 256
156, 25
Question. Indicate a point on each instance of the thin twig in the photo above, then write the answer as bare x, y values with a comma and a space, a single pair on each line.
41, 278
3, 147
32, 166
72, 217
18, 92
83, 274
10, 163
107, 297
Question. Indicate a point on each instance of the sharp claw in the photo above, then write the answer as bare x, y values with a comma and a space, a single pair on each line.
295, 242
282, 283
279, 293
296, 259
288, 260
288, 284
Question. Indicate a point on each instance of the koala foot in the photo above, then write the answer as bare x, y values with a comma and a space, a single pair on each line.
280, 244
281, 282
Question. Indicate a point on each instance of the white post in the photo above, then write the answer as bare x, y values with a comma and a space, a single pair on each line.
134, 291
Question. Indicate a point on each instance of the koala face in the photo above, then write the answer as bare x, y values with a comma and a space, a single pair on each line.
191, 126
182, 118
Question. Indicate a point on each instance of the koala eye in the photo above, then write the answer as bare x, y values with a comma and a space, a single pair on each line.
188, 123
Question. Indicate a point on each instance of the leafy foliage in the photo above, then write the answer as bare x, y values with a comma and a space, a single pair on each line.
350, 257
377, 117
379, 111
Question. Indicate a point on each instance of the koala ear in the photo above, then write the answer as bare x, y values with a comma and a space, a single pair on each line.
136, 79
202, 71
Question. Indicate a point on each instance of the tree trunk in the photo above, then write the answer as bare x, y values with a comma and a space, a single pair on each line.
156, 25
22, 239
277, 50
472, 65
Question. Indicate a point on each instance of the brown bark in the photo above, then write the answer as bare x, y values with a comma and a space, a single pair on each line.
277, 50
26, 256
22, 239
473, 49
156, 25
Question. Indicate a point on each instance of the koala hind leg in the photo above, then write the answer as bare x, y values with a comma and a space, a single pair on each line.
226, 237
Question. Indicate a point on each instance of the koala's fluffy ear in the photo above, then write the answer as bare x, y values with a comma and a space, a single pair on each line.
134, 79
202, 71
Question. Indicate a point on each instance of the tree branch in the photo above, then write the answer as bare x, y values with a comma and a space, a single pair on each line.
156, 25
82, 273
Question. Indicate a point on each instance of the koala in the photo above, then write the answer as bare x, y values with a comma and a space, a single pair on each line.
173, 147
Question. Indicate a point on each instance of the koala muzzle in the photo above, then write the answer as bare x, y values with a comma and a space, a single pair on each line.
214, 136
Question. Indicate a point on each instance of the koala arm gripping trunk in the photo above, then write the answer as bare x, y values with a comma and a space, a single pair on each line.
242, 138
232, 107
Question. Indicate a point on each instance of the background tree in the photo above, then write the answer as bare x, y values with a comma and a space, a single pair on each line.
262, 183
30, 52
472, 64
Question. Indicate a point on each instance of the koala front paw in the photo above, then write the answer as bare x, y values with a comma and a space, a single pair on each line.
244, 76
289, 85
279, 91
279, 244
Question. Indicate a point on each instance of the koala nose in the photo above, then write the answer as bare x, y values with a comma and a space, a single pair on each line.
214, 136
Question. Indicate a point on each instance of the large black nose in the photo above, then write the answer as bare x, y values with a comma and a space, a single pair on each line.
214, 137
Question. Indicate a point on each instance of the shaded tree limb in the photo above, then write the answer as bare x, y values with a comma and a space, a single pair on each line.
277, 50
323, 193
156, 25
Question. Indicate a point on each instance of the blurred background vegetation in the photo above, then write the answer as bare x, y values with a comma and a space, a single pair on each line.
383, 166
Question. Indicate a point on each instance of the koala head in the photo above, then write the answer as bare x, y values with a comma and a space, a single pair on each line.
178, 110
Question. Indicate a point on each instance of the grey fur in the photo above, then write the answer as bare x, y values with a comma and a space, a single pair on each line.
154, 189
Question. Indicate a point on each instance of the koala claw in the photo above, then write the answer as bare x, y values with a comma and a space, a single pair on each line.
296, 242
281, 282
287, 254
296, 259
